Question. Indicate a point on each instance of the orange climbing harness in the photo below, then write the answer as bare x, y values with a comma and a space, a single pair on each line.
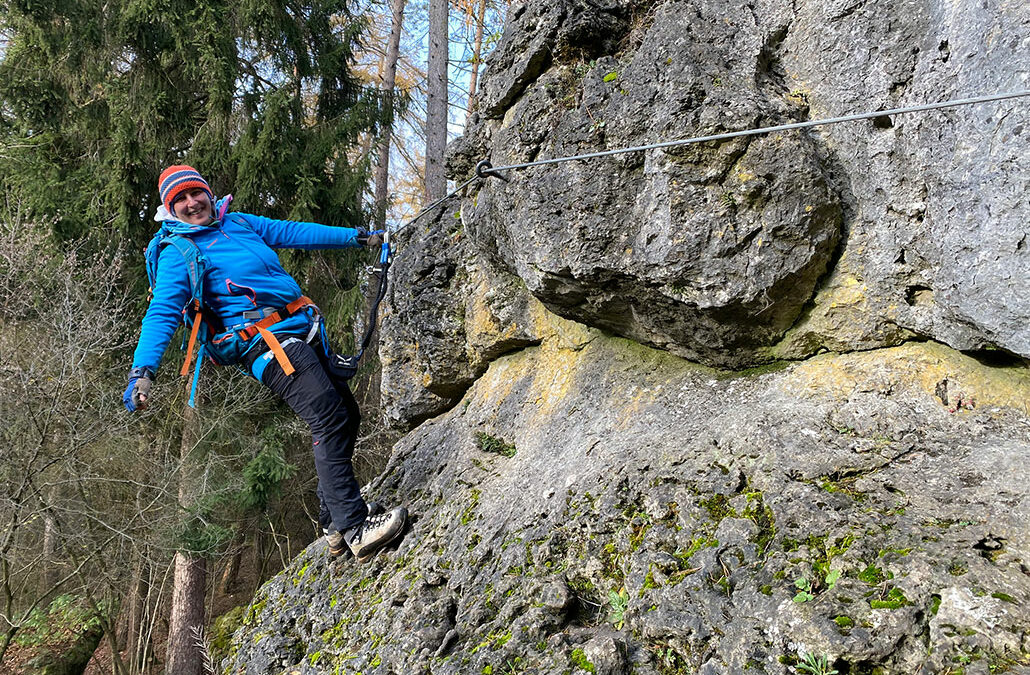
261, 328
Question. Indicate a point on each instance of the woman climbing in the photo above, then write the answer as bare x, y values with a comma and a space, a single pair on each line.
218, 272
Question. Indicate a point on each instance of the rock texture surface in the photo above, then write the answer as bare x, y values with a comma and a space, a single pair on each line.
595, 501
853, 236
937, 239
710, 251
707, 251
714, 409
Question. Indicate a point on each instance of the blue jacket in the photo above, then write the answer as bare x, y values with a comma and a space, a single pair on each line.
243, 273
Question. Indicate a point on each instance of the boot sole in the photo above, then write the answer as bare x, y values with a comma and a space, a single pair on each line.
396, 532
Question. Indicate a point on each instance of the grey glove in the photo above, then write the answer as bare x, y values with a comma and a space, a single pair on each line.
138, 391
370, 239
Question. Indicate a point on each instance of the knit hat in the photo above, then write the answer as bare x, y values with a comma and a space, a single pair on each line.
176, 180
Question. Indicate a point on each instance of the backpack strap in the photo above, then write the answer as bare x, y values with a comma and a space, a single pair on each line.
195, 267
195, 263
198, 319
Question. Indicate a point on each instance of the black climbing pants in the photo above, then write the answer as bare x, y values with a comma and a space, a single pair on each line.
329, 408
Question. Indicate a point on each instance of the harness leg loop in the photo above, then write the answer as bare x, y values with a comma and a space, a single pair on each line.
277, 350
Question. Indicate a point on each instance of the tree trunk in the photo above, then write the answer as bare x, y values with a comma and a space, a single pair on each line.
107, 620
50, 572
184, 656
477, 50
367, 391
231, 573
135, 636
10, 629
388, 85
368, 138
5, 640
436, 104
260, 558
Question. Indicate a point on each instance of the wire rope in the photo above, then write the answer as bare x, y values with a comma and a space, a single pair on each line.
484, 169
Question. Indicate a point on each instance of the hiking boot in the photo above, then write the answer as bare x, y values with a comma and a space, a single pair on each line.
376, 532
335, 538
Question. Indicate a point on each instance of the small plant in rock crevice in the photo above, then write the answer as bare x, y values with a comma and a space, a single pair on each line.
617, 602
815, 665
492, 444
668, 661
804, 593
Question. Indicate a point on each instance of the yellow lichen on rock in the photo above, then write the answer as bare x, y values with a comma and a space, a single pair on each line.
482, 325
494, 316
849, 291
550, 370
565, 333
550, 367
839, 319
923, 366
566, 363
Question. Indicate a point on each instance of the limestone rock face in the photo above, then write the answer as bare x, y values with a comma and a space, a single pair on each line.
710, 409
592, 501
707, 251
711, 251
449, 316
936, 205
853, 236
422, 343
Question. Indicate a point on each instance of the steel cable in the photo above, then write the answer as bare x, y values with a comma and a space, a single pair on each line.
489, 170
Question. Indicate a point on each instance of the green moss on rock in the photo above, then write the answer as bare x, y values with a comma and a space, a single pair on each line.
579, 660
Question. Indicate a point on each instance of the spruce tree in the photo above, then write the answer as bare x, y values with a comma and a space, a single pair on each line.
96, 98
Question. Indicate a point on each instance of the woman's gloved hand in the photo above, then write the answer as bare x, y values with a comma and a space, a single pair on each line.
138, 391
370, 239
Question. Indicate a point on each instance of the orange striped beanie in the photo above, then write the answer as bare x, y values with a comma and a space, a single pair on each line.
177, 179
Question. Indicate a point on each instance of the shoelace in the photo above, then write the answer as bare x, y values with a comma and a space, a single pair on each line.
371, 523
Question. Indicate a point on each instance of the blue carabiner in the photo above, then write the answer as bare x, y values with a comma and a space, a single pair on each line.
384, 251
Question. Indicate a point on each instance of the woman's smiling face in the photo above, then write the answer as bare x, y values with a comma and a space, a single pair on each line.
194, 207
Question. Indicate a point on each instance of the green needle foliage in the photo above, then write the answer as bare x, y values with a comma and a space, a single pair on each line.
98, 96
263, 477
